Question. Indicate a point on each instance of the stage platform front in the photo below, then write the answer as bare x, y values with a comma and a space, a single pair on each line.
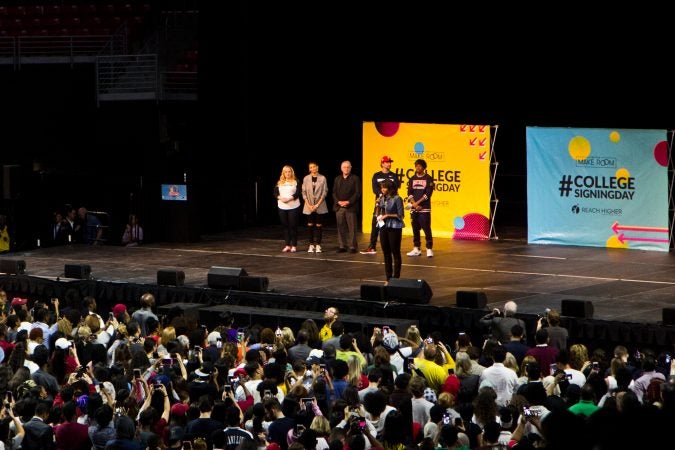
624, 286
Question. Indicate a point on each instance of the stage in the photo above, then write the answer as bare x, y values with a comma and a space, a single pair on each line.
628, 287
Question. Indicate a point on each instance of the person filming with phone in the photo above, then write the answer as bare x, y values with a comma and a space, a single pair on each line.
500, 323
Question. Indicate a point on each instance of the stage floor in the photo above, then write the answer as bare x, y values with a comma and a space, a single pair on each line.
624, 285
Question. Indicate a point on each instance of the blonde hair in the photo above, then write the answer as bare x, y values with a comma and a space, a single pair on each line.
282, 178
168, 334
511, 363
578, 356
355, 370
321, 425
413, 334
287, 337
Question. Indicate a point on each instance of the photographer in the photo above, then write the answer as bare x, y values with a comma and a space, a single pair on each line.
500, 324
557, 335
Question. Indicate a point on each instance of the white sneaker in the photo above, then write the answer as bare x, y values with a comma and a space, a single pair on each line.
317, 248
414, 252
430, 253
311, 249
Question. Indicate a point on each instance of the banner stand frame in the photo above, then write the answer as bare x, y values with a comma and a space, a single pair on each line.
494, 165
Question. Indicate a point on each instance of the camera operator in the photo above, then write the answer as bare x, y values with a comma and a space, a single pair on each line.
500, 324
557, 335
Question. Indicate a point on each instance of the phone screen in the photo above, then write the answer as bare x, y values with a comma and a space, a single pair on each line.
137, 373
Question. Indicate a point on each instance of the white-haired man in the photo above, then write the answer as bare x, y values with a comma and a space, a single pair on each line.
500, 324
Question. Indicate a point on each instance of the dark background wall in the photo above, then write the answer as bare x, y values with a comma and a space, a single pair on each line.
286, 84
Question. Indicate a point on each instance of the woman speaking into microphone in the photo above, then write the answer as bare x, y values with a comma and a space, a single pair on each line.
390, 221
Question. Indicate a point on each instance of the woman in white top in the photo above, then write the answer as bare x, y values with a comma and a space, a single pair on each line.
288, 200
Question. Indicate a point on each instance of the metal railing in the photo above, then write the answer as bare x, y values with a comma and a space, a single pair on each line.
126, 77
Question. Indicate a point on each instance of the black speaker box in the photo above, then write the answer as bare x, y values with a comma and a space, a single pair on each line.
582, 309
374, 292
169, 277
189, 310
409, 290
225, 277
471, 299
12, 266
668, 316
253, 284
79, 271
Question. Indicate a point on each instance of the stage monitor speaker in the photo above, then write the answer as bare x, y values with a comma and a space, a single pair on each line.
79, 271
12, 266
668, 316
582, 309
409, 290
253, 284
374, 292
225, 277
471, 299
169, 277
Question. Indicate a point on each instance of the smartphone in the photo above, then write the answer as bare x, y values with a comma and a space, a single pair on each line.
553, 368
595, 365
429, 340
155, 355
219, 343
228, 388
9, 397
299, 429
668, 358
80, 371
461, 333
458, 421
527, 412
267, 393
111, 315
240, 336
187, 445
308, 401
197, 349
411, 363
446, 419
167, 361
568, 376
385, 329
362, 423
137, 373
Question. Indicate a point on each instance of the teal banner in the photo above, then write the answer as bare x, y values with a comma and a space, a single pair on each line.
598, 187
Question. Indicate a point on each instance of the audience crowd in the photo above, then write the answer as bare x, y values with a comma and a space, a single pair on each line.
74, 379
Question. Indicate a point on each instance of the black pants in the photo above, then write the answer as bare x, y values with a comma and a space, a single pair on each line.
290, 219
390, 241
422, 221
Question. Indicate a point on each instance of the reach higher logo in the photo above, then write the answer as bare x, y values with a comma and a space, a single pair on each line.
576, 209
593, 186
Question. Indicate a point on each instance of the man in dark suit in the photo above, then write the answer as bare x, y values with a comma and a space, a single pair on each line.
39, 435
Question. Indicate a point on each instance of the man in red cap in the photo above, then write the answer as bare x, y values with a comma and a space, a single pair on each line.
378, 177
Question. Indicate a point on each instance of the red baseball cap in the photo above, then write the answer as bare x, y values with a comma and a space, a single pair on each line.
19, 301
179, 409
385, 159
119, 308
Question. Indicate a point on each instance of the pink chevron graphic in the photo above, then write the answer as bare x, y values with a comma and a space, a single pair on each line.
623, 239
616, 227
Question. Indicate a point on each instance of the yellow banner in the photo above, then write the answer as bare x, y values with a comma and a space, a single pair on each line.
458, 159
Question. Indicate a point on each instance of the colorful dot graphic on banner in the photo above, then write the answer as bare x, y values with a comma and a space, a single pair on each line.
458, 223
419, 148
622, 173
579, 148
614, 136
614, 242
387, 129
661, 153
